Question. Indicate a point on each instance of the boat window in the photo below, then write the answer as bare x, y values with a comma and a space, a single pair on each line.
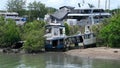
78, 39
76, 11
48, 30
81, 39
94, 35
87, 11
78, 17
87, 36
61, 31
106, 16
55, 31
70, 40
73, 39
12, 15
98, 10
17, 19
61, 41
98, 17
48, 42
55, 43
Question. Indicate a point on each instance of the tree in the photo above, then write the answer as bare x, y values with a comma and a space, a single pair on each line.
111, 32
37, 10
50, 10
67, 29
71, 30
9, 33
74, 29
34, 41
16, 6
34, 36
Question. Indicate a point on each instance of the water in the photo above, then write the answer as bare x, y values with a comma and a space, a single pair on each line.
53, 60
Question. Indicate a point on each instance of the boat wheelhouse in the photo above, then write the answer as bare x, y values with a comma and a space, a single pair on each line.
55, 36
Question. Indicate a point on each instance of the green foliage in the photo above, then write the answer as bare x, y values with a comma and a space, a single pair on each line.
71, 30
111, 32
67, 29
115, 11
50, 10
9, 33
74, 29
34, 36
31, 32
96, 28
35, 9
38, 10
34, 41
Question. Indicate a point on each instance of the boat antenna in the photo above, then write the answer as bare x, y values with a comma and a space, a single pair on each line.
91, 5
79, 5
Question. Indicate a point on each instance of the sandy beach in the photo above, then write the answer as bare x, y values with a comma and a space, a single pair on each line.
98, 53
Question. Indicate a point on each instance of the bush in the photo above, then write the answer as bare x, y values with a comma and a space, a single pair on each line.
9, 33
34, 36
111, 32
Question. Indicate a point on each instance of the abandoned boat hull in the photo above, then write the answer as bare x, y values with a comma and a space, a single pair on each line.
55, 44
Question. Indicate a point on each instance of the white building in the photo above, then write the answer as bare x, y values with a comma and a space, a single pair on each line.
14, 16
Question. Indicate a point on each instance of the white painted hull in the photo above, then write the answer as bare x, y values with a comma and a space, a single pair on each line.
89, 41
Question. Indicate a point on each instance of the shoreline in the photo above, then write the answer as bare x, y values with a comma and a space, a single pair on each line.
96, 53
19, 51
91, 53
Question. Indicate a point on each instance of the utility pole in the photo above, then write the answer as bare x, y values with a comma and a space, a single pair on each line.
98, 3
83, 1
109, 5
105, 4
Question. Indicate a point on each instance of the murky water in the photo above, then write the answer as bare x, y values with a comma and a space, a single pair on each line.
53, 60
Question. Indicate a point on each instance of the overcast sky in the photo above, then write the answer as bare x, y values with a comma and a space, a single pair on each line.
74, 3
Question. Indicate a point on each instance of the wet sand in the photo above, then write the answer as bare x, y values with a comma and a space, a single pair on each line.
98, 53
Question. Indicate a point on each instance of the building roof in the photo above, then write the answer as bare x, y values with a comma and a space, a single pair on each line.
69, 7
8, 13
60, 14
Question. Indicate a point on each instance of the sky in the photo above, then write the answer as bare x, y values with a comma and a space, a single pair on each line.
74, 3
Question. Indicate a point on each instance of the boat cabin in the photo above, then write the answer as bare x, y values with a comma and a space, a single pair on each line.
74, 41
53, 31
